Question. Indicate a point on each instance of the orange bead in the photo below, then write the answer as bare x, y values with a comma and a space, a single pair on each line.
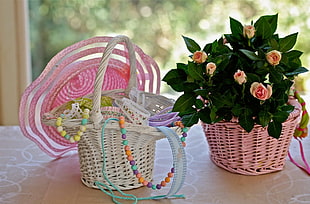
121, 122
145, 183
183, 144
141, 179
130, 158
170, 175
128, 152
127, 147
163, 183
138, 175
167, 179
122, 125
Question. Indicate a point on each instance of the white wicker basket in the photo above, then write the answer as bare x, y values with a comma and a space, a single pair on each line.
142, 139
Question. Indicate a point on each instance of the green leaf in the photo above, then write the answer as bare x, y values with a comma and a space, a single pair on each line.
297, 71
251, 55
275, 76
264, 118
204, 115
199, 104
190, 86
190, 120
184, 103
265, 26
287, 42
191, 45
274, 44
246, 121
280, 117
236, 27
293, 54
175, 78
195, 71
201, 92
274, 129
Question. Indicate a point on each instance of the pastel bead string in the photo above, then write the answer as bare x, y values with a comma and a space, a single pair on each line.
82, 128
107, 190
132, 162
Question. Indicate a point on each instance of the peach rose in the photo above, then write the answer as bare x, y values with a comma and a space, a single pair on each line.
248, 31
240, 77
274, 57
200, 57
210, 68
259, 91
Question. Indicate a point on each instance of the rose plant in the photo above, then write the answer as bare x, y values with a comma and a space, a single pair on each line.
247, 75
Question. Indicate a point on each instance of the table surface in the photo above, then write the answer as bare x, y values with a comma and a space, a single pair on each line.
27, 175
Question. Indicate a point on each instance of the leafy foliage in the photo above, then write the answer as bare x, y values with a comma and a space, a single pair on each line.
265, 60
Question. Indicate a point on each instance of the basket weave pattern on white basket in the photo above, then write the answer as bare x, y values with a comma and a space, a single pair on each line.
254, 153
141, 138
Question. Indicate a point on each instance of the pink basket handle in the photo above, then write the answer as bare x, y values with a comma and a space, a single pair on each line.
96, 113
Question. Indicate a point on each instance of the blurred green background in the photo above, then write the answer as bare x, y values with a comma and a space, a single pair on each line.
156, 26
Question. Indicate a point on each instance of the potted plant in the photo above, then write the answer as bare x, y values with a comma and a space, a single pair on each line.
244, 78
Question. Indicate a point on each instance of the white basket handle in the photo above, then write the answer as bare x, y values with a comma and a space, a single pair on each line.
96, 113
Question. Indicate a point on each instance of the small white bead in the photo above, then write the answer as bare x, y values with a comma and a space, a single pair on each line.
60, 128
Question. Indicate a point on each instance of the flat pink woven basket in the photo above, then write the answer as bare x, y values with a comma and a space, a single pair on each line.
71, 74
254, 153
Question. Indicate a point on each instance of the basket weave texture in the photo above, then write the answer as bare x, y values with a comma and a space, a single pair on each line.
142, 138
254, 153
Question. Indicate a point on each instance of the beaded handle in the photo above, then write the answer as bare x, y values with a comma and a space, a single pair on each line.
96, 114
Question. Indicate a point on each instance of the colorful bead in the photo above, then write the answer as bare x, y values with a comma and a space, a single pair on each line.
149, 185
82, 128
134, 167
128, 152
141, 179
59, 129
77, 138
58, 122
126, 148
71, 139
123, 130
84, 121
132, 162
63, 133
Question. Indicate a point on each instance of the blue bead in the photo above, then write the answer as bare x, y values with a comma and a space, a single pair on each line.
123, 131
84, 121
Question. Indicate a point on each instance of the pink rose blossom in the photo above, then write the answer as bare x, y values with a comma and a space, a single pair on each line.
240, 77
210, 68
259, 91
248, 31
274, 57
200, 57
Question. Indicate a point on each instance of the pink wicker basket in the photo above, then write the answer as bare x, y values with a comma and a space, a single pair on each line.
254, 153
